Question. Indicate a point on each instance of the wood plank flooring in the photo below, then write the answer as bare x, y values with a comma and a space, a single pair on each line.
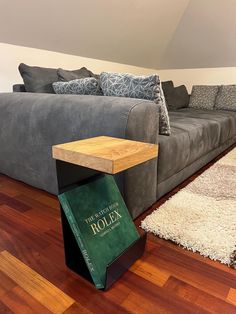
34, 278
23, 288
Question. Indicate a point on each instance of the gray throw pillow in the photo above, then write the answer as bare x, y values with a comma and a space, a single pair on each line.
226, 98
38, 79
167, 87
18, 88
142, 87
67, 75
203, 96
84, 86
177, 98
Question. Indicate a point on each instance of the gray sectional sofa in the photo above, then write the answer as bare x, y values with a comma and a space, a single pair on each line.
30, 123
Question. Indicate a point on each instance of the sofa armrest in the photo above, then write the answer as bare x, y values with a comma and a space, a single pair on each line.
18, 88
30, 123
140, 182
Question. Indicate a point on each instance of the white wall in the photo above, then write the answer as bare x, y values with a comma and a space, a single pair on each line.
204, 76
134, 32
11, 56
157, 34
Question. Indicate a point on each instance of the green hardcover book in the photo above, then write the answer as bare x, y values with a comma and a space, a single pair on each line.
100, 222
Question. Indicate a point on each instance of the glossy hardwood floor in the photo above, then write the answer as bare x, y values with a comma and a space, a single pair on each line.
167, 279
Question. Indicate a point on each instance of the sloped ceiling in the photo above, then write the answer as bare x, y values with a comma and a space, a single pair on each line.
158, 34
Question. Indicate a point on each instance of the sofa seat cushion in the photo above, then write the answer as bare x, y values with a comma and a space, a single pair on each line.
194, 133
224, 118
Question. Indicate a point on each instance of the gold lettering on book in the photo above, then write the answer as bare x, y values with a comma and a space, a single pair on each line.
105, 221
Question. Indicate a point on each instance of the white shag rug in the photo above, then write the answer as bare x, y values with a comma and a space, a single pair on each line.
202, 216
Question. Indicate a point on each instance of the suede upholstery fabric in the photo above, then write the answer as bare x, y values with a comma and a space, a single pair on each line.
167, 87
18, 88
38, 79
194, 134
67, 75
177, 98
31, 123
140, 178
170, 183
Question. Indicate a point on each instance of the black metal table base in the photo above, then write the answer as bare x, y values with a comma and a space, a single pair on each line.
69, 175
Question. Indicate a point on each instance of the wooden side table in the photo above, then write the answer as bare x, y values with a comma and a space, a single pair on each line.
79, 161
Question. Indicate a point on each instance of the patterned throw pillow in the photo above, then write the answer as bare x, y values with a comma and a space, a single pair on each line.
203, 96
84, 86
142, 87
226, 98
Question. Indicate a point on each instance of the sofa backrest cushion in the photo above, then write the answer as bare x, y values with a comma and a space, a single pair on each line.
38, 79
18, 88
167, 87
67, 75
203, 96
83, 86
142, 87
226, 98
177, 98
